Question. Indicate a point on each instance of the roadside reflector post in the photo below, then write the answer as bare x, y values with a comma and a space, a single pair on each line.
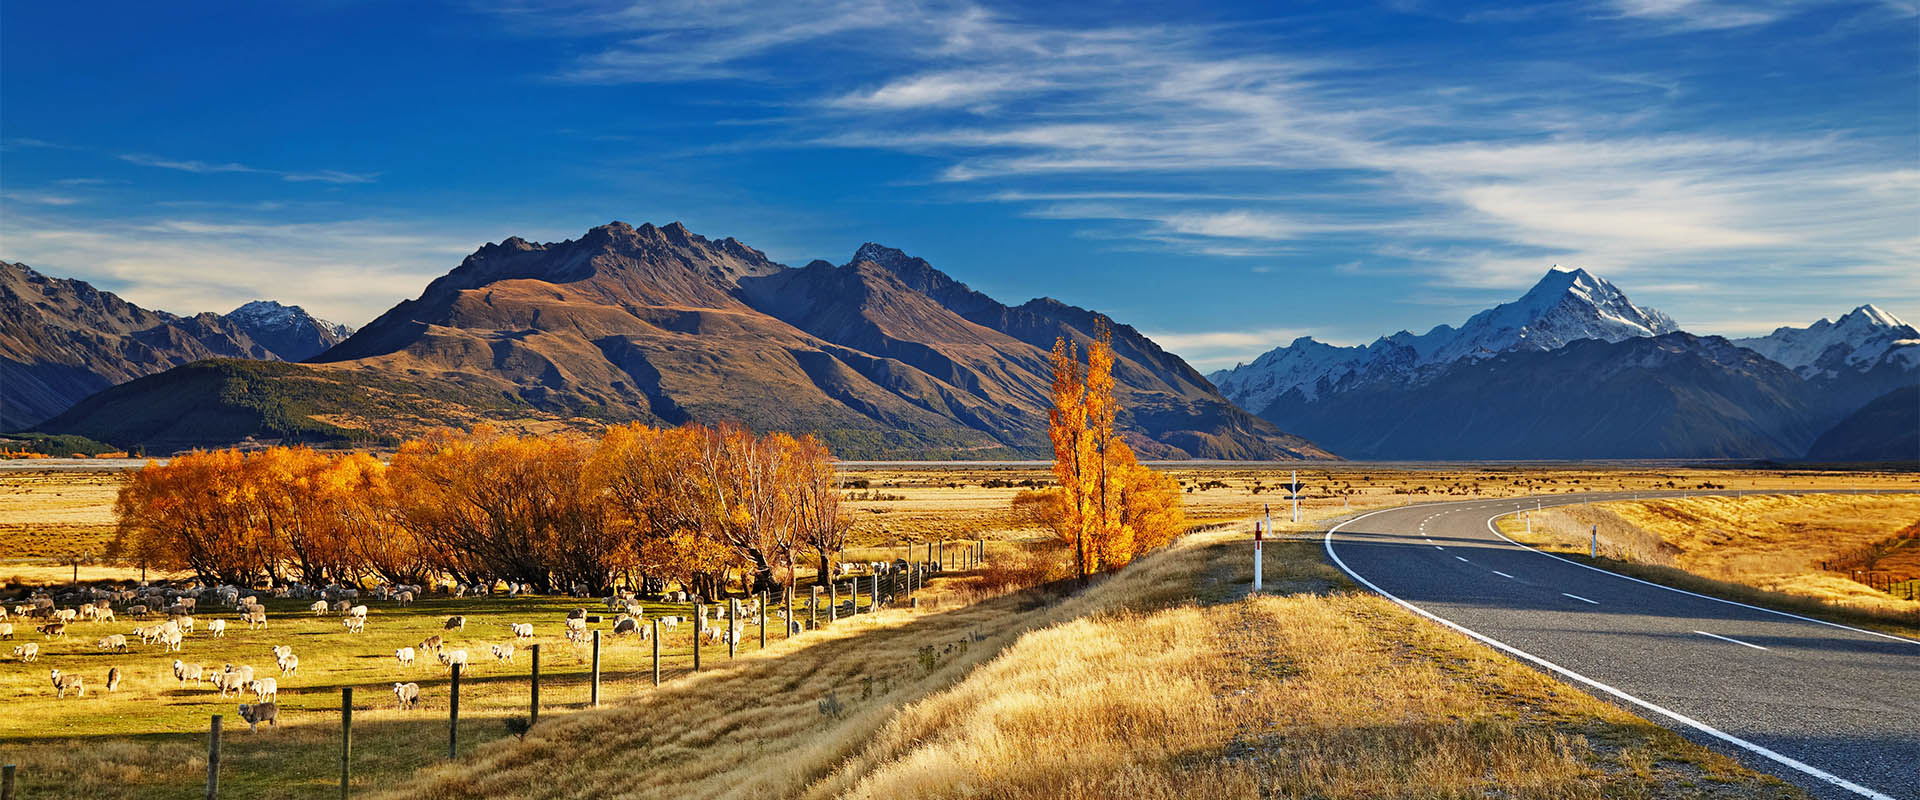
1256, 557
1296, 495
1593, 542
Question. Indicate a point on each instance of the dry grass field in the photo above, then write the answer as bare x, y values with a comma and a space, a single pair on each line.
866, 706
1778, 547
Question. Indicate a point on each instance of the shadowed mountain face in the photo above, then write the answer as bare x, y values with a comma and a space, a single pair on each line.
884, 356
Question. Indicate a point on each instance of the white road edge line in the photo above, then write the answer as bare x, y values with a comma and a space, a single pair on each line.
1503, 575
1496, 532
1462, 559
1581, 599
1709, 730
1730, 639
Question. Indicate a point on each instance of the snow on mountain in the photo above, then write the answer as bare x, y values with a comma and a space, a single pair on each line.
1565, 306
1859, 340
289, 331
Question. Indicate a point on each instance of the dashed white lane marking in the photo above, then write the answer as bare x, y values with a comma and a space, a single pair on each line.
1438, 547
1764, 752
1502, 574
1462, 559
1731, 639
1581, 599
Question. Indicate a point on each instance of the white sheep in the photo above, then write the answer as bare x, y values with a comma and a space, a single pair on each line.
265, 689
6, 630
626, 625
502, 652
576, 624
65, 615
185, 624
290, 664
116, 642
282, 651
357, 611
407, 693
431, 643
217, 628
172, 641
61, 683
522, 630
256, 713
355, 624
448, 658
319, 608
406, 598
228, 682
184, 672
256, 619
669, 623
113, 679
27, 652
404, 655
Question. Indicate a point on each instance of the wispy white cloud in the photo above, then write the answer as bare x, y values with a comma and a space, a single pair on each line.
42, 199
205, 167
1211, 350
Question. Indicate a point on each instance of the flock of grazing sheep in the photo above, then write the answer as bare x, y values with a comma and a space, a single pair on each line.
177, 614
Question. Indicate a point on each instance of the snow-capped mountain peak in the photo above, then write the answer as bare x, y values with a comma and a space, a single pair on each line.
289, 331
1859, 340
1564, 306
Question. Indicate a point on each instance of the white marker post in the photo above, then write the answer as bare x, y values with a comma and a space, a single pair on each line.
1256, 558
1593, 544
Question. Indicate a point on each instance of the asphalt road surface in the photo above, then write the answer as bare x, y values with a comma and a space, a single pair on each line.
1832, 708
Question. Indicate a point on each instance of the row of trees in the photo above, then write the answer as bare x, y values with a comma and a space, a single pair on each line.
1106, 506
686, 504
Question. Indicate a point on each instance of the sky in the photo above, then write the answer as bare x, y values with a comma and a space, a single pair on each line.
1224, 177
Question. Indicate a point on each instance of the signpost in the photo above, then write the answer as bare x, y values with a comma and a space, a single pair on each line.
1593, 544
1256, 557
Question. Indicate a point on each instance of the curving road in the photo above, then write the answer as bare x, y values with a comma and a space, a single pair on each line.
1832, 708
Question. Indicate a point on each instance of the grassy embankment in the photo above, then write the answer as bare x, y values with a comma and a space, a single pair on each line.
1765, 550
1162, 681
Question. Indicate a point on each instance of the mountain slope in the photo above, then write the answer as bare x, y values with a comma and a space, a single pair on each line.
665, 326
1860, 340
1564, 306
1887, 429
1670, 396
62, 340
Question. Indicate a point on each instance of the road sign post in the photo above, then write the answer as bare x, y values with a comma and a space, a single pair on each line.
1256, 557
1593, 543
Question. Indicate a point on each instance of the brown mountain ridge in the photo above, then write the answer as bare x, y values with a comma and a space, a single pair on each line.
884, 356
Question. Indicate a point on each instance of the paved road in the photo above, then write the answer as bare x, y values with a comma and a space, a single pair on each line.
1832, 708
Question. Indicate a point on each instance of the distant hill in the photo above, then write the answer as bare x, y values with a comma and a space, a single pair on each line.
289, 332
1887, 429
884, 356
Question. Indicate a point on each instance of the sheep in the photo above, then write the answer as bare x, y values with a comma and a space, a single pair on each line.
290, 664
217, 628
265, 689
282, 651
355, 624
136, 611
113, 679
407, 693
502, 652
185, 624
357, 611
256, 713
65, 615
245, 672
61, 683
148, 633
522, 630
576, 624
669, 623
228, 682
319, 608
184, 672
795, 627
431, 643
6, 630
405, 598
404, 655
172, 641
103, 615
341, 606
27, 652
456, 623
578, 613
256, 619
448, 658
626, 625
53, 629
115, 642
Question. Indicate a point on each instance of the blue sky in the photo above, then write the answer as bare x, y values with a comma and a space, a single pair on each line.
1224, 177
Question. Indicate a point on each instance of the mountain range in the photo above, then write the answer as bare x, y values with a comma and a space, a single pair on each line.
884, 356
1573, 369
62, 340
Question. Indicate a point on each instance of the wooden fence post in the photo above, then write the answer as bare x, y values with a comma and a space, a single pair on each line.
873, 605
813, 608
6, 782
833, 602
213, 759
763, 619
346, 740
533, 713
786, 627
733, 629
699, 632
656, 651
594, 695
453, 712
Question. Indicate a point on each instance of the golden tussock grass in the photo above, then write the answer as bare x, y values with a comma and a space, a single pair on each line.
1767, 549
